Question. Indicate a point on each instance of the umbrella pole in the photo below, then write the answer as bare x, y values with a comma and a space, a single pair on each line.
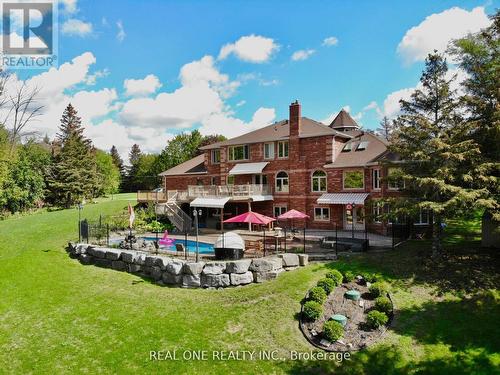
264, 241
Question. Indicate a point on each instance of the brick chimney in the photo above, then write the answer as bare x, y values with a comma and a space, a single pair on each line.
295, 119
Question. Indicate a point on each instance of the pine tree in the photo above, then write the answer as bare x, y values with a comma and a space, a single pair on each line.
135, 154
385, 128
73, 176
117, 160
439, 158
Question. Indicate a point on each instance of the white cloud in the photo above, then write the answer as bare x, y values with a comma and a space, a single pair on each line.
226, 124
330, 41
302, 54
92, 78
121, 31
251, 48
75, 27
240, 103
438, 29
69, 6
140, 87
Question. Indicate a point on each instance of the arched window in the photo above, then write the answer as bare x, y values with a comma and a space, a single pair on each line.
282, 182
319, 181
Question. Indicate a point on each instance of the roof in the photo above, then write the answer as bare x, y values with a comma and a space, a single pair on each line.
375, 147
343, 120
279, 131
192, 166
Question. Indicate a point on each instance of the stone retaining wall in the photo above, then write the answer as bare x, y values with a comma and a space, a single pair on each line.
188, 274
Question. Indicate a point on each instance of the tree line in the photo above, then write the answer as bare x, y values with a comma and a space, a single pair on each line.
69, 170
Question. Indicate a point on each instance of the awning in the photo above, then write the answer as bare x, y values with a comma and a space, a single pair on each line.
343, 198
248, 168
261, 198
209, 202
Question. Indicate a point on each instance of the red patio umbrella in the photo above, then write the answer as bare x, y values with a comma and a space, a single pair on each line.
251, 217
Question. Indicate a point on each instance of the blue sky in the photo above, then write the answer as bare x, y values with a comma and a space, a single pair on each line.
141, 71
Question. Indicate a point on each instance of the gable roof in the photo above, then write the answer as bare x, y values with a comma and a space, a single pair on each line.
280, 131
343, 120
375, 147
195, 165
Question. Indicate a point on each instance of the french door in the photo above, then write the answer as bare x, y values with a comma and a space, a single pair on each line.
354, 215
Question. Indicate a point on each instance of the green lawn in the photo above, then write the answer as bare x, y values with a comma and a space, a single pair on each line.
58, 316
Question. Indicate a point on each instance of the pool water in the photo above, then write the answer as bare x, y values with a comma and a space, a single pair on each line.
204, 248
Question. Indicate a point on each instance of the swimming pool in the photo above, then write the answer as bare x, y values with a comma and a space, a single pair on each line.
204, 248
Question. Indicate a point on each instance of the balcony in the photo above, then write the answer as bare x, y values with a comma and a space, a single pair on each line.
233, 192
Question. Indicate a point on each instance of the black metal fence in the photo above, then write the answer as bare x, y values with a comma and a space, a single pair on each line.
96, 232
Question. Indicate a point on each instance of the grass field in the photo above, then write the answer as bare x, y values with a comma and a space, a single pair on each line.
58, 316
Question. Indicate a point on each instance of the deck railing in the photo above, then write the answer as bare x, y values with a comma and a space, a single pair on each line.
199, 191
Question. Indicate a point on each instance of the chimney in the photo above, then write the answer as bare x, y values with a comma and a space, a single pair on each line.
295, 119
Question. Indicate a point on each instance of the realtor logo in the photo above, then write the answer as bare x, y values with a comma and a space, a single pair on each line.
29, 34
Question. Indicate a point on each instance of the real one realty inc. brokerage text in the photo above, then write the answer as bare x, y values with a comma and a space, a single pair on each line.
245, 355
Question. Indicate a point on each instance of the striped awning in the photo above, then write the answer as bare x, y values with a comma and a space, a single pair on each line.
209, 202
248, 168
261, 198
343, 198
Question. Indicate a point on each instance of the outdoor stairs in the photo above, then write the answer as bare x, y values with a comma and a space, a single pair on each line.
176, 215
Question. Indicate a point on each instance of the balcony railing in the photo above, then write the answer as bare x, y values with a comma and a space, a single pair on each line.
235, 192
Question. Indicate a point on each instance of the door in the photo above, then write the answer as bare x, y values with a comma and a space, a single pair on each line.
259, 179
354, 214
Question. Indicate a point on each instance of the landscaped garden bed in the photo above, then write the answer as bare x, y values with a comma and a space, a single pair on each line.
346, 313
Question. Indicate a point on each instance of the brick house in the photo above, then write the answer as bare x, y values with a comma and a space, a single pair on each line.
331, 172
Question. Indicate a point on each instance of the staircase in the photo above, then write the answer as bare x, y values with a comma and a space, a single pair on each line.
175, 214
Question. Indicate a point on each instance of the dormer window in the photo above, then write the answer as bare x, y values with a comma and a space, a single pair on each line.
362, 146
347, 147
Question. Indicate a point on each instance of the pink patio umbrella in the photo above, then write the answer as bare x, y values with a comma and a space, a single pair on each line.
253, 218
294, 214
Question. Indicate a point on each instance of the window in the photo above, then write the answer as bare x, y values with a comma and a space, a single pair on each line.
238, 153
259, 179
322, 214
269, 150
282, 182
394, 182
376, 179
283, 149
377, 211
353, 180
347, 147
230, 180
279, 210
423, 217
362, 146
216, 156
319, 181
213, 181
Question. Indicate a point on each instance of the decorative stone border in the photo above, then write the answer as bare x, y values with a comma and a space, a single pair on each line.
381, 332
171, 271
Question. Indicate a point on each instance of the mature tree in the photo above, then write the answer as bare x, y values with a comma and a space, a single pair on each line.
479, 56
117, 160
73, 176
25, 186
439, 158
108, 174
135, 154
385, 128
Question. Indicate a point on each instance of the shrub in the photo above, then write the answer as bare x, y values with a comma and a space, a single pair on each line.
312, 310
371, 277
375, 319
327, 284
348, 276
333, 330
317, 294
378, 289
336, 276
383, 304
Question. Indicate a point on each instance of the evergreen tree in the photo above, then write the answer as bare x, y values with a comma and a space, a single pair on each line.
73, 176
479, 56
135, 154
438, 157
117, 160
385, 128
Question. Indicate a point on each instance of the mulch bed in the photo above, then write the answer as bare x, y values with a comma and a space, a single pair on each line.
356, 335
